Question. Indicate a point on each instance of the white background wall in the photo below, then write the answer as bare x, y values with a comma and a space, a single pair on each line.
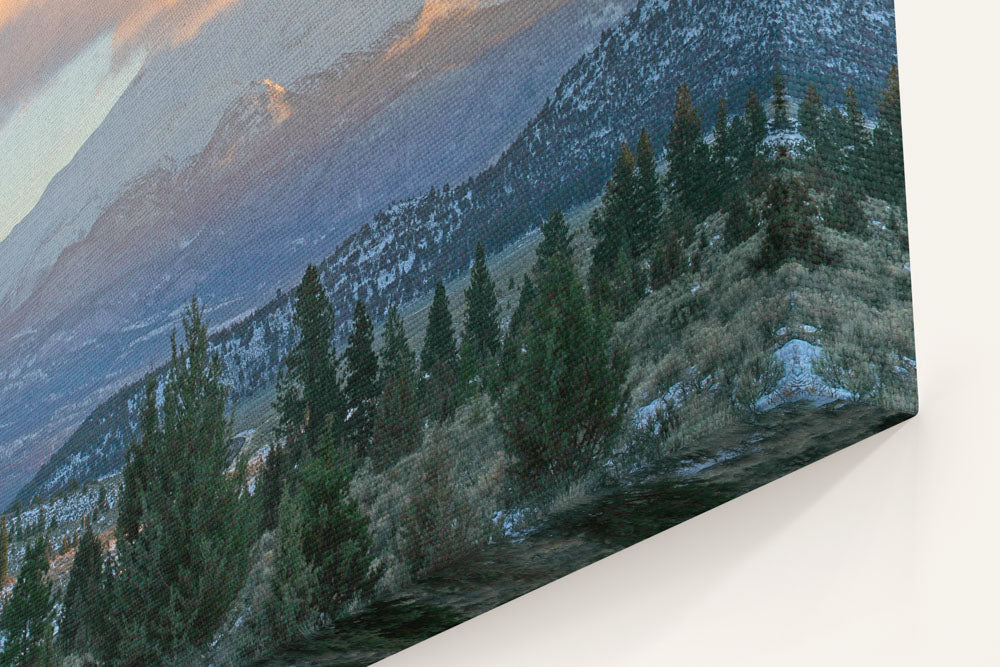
887, 553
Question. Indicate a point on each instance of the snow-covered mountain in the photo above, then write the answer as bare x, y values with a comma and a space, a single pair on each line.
560, 157
293, 160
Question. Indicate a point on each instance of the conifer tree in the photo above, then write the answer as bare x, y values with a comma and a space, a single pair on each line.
811, 114
26, 618
397, 422
741, 221
723, 152
615, 227
619, 211
361, 389
513, 342
271, 485
4, 549
789, 233
135, 476
690, 167
567, 396
309, 393
294, 584
439, 358
78, 629
481, 330
886, 179
756, 121
649, 203
177, 575
335, 538
780, 88
857, 136
556, 239
667, 260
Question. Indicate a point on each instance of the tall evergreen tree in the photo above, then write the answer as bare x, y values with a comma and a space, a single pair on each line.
78, 627
26, 618
649, 203
397, 422
481, 330
513, 342
723, 152
556, 238
309, 393
858, 136
756, 121
811, 114
136, 474
361, 389
780, 104
615, 227
439, 358
886, 179
4, 550
567, 396
178, 573
690, 168
789, 233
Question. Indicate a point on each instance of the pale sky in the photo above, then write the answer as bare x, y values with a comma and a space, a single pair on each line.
63, 65
41, 137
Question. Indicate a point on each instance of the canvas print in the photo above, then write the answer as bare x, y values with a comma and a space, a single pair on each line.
326, 326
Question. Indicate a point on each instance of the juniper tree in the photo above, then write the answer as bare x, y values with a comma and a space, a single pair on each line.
179, 572
361, 388
567, 396
481, 330
741, 221
397, 421
439, 358
78, 627
335, 538
26, 618
309, 392
293, 586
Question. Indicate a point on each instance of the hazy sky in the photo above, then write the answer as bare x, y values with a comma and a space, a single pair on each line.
64, 64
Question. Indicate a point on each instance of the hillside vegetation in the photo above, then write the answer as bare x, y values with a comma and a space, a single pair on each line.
765, 266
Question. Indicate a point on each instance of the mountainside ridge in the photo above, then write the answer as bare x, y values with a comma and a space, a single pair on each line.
627, 81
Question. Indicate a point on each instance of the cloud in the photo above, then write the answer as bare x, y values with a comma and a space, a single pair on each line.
39, 37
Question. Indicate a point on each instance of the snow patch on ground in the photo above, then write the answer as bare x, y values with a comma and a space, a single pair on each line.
800, 382
516, 524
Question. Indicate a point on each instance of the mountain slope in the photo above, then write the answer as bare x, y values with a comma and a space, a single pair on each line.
289, 170
560, 158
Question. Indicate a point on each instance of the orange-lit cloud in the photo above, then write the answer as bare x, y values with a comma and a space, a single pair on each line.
433, 11
38, 37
